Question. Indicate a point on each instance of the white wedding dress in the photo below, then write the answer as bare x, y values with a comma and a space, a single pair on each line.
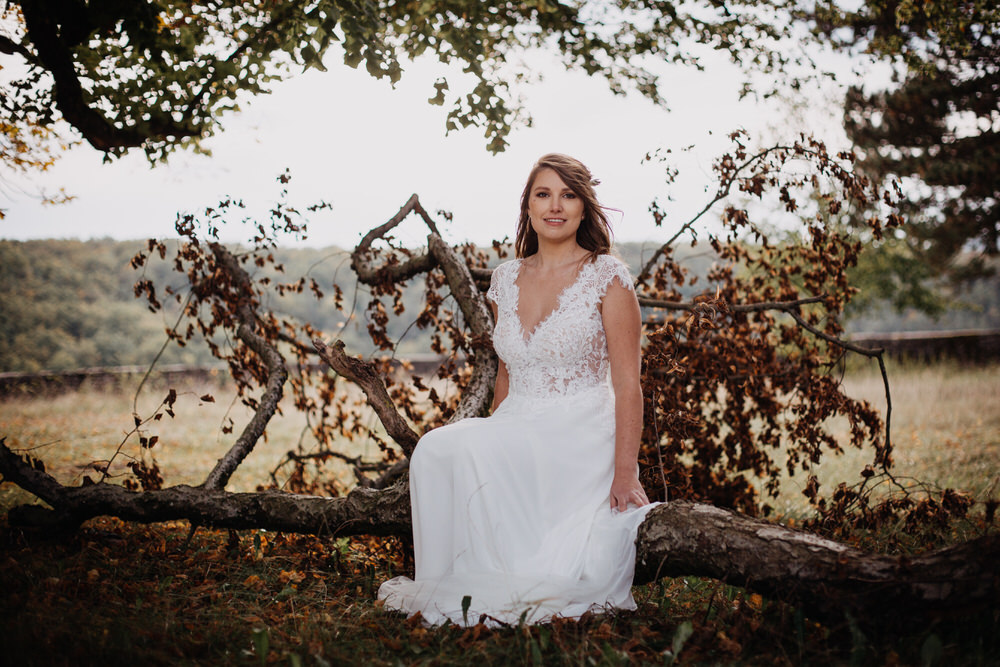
511, 513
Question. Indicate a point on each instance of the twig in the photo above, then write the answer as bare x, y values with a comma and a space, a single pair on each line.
156, 359
734, 307
724, 189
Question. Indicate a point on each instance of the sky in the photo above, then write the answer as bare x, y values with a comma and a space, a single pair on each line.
365, 147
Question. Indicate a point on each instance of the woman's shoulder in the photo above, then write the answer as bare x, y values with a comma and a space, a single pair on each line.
506, 266
610, 261
610, 265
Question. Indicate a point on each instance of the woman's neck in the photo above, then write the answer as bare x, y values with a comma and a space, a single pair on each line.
555, 255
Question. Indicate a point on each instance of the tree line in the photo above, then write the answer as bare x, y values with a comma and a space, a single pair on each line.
69, 304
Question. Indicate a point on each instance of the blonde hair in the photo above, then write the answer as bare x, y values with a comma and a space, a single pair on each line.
594, 233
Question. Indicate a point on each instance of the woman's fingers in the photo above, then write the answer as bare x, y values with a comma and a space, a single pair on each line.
636, 497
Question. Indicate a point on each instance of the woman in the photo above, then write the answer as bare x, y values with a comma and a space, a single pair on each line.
532, 512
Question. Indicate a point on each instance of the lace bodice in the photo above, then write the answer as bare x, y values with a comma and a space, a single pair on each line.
567, 352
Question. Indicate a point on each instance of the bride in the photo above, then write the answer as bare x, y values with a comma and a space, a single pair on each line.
532, 512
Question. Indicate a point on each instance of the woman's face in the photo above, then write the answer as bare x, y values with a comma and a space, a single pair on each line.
554, 210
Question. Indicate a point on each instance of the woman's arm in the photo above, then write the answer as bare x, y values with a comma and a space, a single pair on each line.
620, 314
500, 386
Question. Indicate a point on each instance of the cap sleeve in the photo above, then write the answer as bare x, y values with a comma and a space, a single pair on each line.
497, 282
612, 270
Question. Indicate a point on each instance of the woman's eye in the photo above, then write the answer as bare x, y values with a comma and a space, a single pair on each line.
570, 195
541, 194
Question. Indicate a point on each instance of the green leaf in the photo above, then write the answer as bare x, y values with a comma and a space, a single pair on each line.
681, 635
466, 603
931, 651
261, 643
440, 86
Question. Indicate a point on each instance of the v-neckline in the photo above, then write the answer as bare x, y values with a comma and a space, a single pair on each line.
527, 336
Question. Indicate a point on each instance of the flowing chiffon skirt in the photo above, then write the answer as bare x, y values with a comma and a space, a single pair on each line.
512, 513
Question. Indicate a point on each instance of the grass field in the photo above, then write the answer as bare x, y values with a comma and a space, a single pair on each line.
71, 431
115, 593
945, 430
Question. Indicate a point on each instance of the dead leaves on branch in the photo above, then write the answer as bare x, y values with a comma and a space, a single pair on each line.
740, 382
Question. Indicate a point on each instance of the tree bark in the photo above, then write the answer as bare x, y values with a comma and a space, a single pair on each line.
362, 511
363, 374
478, 394
823, 577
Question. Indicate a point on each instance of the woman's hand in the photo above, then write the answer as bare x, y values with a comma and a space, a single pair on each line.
625, 491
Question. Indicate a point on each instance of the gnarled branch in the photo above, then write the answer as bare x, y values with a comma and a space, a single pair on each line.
478, 393
824, 577
361, 257
57, 58
363, 374
276, 374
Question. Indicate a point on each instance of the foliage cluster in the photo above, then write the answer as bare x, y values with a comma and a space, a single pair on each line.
68, 304
159, 74
727, 381
936, 127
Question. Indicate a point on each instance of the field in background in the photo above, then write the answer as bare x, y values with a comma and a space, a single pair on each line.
945, 429
71, 431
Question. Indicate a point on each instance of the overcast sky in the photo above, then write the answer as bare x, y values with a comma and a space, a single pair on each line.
365, 147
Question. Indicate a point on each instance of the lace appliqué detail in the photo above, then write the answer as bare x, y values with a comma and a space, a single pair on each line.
567, 353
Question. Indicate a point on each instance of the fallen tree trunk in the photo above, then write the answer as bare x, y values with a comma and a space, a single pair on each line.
823, 576
680, 538
362, 511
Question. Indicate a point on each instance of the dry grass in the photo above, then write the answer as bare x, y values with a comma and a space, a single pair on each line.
945, 430
72, 431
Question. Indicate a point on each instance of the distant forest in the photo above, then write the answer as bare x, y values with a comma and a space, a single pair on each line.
70, 304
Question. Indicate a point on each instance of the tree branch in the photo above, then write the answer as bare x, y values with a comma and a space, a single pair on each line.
363, 374
57, 58
360, 512
734, 307
276, 374
825, 577
725, 188
361, 257
10, 47
282, 12
478, 393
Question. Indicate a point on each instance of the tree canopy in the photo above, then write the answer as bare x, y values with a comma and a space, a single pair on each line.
936, 127
159, 74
